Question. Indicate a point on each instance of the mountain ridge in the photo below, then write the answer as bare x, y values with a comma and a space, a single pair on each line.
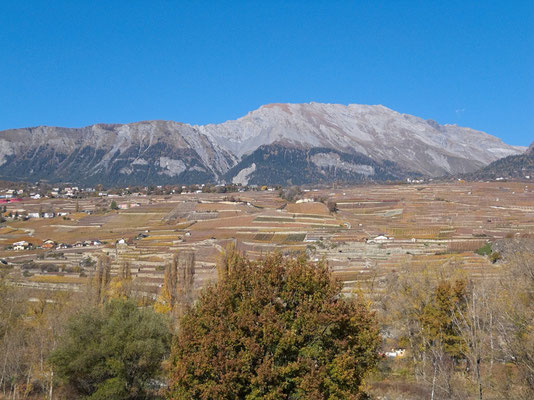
520, 166
162, 151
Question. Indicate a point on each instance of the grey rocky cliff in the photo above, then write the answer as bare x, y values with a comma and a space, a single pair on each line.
333, 142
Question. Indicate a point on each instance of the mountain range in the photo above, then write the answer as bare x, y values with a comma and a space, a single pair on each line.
275, 144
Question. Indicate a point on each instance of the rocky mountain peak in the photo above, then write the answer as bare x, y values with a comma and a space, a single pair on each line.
330, 141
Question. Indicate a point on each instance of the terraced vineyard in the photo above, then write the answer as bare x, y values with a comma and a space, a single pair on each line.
376, 230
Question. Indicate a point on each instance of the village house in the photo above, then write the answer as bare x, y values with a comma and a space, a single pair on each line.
22, 245
48, 244
93, 242
380, 239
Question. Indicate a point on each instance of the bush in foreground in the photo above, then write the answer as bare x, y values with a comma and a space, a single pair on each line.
112, 352
274, 329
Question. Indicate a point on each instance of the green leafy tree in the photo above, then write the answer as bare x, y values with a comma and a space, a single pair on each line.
277, 328
114, 205
113, 352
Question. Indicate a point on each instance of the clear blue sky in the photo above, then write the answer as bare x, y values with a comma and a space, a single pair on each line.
74, 63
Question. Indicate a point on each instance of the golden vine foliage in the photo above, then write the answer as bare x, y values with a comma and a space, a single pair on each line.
120, 286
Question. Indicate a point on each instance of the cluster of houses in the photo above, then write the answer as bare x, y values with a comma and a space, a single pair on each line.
412, 180
37, 193
23, 215
50, 244
40, 191
65, 192
48, 214
8, 194
320, 236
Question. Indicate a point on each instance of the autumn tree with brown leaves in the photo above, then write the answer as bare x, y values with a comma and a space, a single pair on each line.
278, 328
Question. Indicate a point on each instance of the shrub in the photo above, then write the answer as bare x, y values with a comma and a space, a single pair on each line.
332, 206
28, 265
495, 256
291, 194
112, 352
484, 250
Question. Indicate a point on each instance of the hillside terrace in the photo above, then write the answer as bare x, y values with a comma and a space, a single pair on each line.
425, 225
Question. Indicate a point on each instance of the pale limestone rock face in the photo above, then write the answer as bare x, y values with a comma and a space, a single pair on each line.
332, 160
167, 149
6, 149
376, 131
242, 176
171, 167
